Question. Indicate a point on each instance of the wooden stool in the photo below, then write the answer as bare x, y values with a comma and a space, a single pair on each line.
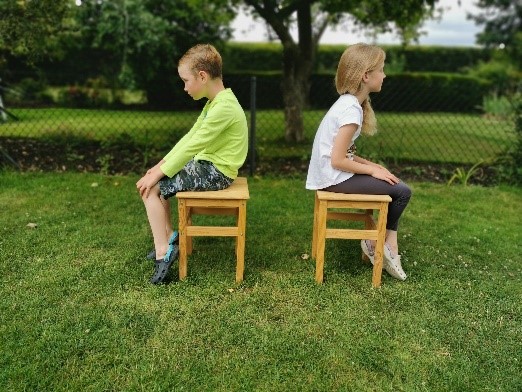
372, 230
230, 201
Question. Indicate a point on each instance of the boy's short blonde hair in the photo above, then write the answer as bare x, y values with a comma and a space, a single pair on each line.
204, 57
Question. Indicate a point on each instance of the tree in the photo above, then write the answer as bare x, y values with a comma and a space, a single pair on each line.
29, 28
129, 43
312, 17
141, 39
502, 20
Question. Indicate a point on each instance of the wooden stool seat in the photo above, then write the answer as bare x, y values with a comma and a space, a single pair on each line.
230, 201
373, 230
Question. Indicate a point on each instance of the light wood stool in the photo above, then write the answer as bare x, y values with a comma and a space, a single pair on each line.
375, 231
230, 201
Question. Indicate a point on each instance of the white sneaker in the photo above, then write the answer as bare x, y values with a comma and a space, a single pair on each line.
368, 250
393, 264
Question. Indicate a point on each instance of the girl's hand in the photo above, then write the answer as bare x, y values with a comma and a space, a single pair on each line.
384, 174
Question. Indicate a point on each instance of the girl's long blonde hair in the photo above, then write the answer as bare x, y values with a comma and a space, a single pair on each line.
355, 61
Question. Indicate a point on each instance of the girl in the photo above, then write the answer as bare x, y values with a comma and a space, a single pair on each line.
334, 165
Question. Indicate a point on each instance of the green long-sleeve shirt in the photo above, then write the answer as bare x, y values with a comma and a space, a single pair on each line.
219, 135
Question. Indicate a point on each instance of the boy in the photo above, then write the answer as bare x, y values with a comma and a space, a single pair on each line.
208, 157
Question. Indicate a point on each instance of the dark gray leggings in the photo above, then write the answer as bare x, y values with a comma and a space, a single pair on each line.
362, 183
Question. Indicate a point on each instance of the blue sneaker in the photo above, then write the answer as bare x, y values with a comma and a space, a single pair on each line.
173, 238
162, 266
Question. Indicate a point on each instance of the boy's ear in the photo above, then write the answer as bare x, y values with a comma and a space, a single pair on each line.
202, 75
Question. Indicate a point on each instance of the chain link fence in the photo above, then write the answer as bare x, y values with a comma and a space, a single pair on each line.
96, 129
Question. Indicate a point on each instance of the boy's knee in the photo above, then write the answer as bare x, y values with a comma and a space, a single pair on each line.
154, 192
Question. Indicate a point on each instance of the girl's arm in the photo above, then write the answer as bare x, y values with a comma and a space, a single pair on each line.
358, 165
365, 161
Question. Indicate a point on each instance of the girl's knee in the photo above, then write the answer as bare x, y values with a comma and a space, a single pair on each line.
405, 190
401, 194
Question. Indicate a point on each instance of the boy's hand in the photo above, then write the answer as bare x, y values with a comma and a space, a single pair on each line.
155, 167
150, 179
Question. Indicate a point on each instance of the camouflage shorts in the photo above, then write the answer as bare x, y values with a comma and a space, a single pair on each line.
195, 176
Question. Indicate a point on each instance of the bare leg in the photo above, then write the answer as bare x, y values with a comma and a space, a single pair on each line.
391, 239
169, 229
157, 220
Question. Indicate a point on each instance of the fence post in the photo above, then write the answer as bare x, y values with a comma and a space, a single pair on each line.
252, 136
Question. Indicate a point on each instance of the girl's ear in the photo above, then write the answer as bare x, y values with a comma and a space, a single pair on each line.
365, 77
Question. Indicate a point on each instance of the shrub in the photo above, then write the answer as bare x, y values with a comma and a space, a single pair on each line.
503, 75
85, 97
28, 91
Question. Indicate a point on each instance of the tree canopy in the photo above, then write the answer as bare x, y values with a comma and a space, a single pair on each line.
29, 28
130, 43
141, 39
311, 18
135, 43
502, 21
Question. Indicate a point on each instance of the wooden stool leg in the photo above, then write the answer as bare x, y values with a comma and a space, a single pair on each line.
190, 245
369, 224
314, 231
320, 241
379, 247
240, 243
237, 224
182, 214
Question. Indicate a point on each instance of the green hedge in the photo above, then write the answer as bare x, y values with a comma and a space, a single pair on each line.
241, 57
403, 92
431, 92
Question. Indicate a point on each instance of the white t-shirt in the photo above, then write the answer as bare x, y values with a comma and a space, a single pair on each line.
321, 174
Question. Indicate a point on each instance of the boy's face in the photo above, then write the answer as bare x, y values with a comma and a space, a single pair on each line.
195, 84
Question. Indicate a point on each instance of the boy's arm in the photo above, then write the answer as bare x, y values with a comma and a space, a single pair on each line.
181, 142
218, 119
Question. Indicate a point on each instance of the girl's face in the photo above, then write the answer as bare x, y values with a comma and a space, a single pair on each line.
375, 78
194, 83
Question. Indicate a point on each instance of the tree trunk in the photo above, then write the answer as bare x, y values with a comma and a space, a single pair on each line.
294, 97
297, 68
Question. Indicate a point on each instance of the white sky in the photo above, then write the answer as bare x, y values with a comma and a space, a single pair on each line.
452, 30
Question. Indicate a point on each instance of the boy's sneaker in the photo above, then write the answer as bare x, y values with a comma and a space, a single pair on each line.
162, 266
393, 264
152, 254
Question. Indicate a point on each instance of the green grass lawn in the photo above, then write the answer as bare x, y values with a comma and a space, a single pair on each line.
78, 313
420, 137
